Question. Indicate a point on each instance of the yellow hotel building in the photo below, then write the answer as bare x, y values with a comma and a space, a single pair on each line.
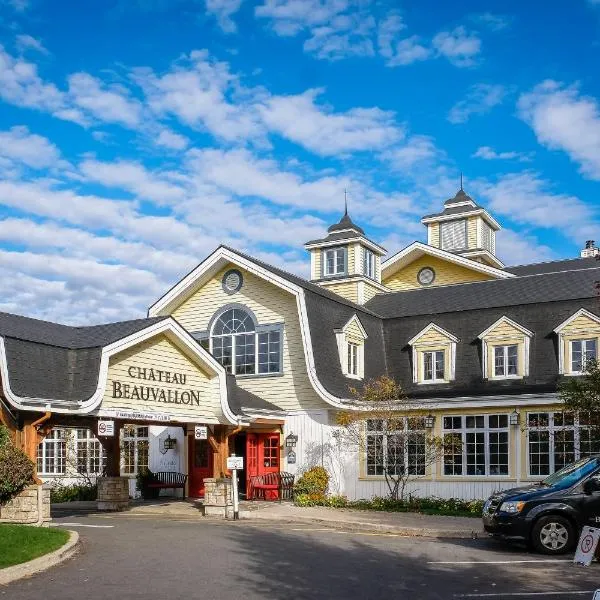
254, 354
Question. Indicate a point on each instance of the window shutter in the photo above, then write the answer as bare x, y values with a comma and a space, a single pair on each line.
454, 235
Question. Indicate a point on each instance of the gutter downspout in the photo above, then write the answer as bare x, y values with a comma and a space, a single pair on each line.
34, 426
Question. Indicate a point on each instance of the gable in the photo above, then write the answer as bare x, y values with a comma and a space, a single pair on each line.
446, 273
582, 321
156, 376
432, 334
505, 328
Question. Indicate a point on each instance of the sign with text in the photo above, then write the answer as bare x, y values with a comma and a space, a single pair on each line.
235, 462
200, 432
106, 428
586, 547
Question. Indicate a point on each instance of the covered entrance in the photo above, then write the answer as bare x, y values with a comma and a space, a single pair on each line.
262, 458
200, 465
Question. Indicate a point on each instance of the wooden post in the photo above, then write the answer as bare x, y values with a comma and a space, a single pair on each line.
112, 449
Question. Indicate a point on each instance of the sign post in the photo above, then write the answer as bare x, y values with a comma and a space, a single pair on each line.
586, 547
233, 464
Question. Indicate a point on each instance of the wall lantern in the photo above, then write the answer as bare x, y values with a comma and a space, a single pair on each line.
291, 440
429, 421
514, 417
170, 443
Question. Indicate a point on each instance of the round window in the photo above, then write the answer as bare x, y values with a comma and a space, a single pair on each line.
232, 281
426, 276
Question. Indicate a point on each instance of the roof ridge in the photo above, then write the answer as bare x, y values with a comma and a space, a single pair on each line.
547, 262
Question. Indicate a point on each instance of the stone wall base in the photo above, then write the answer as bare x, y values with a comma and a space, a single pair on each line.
218, 499
113, 493
31, 507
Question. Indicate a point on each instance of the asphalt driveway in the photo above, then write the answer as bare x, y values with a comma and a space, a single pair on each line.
126, 557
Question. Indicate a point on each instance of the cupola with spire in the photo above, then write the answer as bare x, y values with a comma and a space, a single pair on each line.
346, 261
464, 228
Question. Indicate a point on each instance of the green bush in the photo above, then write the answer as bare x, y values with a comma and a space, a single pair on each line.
73, 493
433, 506
16, 468
311, 487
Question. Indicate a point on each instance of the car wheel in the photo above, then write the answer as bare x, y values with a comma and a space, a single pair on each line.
553, 535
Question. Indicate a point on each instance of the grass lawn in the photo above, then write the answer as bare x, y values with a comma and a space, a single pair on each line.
20, 543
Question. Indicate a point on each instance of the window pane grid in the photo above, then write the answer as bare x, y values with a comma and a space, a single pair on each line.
433, 366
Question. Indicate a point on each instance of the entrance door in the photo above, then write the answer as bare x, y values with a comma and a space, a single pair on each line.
201, 466
262, 457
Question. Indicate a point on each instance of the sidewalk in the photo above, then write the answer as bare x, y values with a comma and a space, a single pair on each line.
405, 524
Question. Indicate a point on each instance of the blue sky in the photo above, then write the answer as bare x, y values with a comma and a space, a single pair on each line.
137, 135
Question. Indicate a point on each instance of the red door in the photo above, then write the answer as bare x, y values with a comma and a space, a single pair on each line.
262, 457
201, 466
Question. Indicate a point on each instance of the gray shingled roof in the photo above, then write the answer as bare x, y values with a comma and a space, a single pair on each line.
454, 210
570, 264
337, 235
549, 287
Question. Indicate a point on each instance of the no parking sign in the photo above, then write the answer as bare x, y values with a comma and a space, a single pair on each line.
586, 547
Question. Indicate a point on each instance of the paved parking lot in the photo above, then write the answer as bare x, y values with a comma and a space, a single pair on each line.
128, 557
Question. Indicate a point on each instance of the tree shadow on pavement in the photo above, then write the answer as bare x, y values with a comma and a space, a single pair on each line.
296, 564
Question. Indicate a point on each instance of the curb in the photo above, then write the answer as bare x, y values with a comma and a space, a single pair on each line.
366, 527
26, 569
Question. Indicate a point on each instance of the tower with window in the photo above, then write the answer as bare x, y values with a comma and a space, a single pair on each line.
347, 262
464, 228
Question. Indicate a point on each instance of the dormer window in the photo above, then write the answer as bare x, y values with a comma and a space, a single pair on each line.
368, 263
582, 352
433, 366
334, 261
454, 234
433, 355
578, 342
506, 361
351, 346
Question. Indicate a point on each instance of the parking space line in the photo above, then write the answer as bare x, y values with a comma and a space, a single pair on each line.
524, 594
82, 525
498, 562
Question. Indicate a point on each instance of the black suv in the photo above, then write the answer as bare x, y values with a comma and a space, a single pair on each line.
550, 514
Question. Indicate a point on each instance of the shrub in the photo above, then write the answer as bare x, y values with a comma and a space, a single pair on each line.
73, 493
312, 486
16, 468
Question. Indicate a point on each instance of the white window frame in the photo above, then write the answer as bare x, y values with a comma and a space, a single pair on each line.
434, 378
580, 333
93, 451
552, 429
584, 343
384, 440
369, 264
352, 349
258, 331
505, 374
338, 253
486, 430
57, 439
449, 347
454, 223
344, 340
131, 433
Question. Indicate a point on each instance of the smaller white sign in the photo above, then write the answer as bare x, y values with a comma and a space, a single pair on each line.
586, 547
106, 428
235, 462
200, 432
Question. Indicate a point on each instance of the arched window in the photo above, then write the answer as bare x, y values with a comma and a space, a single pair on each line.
244, 348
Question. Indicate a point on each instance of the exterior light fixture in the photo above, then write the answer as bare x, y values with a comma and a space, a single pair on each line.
514, 417
429, 421
170, 443
291, 440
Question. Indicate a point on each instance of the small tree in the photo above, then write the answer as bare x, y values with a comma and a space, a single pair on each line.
16, 468
582, 395
388, 429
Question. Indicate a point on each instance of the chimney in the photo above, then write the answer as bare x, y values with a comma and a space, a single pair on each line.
590, 250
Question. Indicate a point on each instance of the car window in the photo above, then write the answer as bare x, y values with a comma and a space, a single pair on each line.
571, 474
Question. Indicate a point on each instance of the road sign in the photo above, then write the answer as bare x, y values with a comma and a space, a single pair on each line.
106, 428
235, 462
200, 432
586, 547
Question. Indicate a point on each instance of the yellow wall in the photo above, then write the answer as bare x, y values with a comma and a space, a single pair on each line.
290, 391
353, 333
370, 291
472, 224
431, 341
159, 353
315, 264
433, 235
446, 273
505, 334
348, 290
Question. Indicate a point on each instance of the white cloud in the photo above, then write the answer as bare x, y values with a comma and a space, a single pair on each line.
492, 21
17, 5
519, 248
28, 42
318, 128
528, 199
387, 33
480, 99
408, 51
108, 105
417, 149
35, 151
459, 46
563, 119
488, 153
222, 10
169, 139
200, 92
